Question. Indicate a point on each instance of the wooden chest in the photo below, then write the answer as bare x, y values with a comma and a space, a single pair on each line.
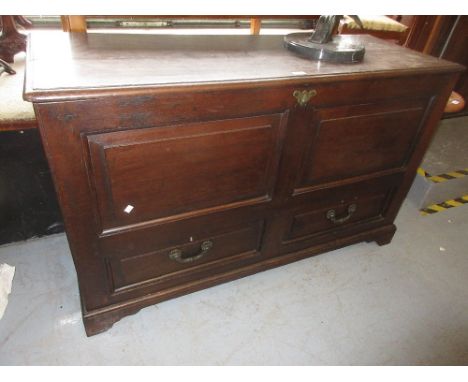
182, 162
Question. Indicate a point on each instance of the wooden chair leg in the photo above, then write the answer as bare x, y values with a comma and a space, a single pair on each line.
74, 23
23, 21
11, 41
255, 25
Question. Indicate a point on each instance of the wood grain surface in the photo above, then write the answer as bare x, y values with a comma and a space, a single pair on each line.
69, 65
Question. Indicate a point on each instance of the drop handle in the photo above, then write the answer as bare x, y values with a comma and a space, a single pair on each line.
177, 254
331, 214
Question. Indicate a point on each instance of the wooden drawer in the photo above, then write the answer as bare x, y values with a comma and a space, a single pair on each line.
332, 212
173, 254
336, 214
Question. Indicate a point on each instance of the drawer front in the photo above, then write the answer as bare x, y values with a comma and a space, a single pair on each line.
324, 214
172, 254
349, 141
184, 170
336, 214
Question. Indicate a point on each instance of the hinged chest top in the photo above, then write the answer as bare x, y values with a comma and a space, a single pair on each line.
62, 65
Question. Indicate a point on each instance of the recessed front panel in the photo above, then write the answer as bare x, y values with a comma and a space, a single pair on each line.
353, 140
159, 172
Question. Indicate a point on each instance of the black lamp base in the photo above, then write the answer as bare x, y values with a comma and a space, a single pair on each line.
341, 49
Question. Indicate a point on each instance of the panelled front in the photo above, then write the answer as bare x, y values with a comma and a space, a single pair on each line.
359, 139
166, 190
184, 170
172, 192
183, 201
350, 160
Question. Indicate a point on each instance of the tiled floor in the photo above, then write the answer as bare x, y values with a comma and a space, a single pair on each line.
405, 303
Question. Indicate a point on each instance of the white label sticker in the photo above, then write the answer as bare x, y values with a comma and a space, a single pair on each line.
128, 209
299, 73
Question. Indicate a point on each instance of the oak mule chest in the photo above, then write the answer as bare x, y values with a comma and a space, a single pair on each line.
181, 162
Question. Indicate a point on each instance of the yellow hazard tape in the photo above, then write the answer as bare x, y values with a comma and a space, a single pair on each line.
421, 172
437, 179
453, 203
456, 174
434, 208
443, 177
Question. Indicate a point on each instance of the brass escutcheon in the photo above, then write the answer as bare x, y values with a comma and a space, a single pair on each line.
304, 96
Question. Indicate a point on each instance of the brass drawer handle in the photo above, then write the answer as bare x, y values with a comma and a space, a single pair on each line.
176, 254
331, 214
304, 96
